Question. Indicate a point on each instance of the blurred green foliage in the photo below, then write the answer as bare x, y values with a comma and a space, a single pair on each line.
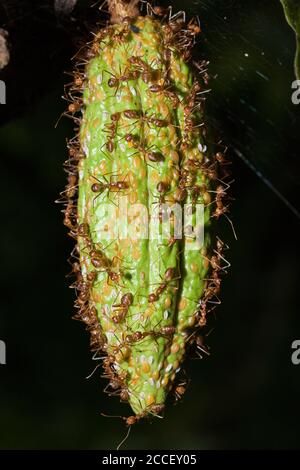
292, 12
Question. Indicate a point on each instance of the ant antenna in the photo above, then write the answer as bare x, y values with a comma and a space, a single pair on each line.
92, 373
232, 226
125, 438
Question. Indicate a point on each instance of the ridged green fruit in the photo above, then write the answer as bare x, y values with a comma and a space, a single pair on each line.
142, 142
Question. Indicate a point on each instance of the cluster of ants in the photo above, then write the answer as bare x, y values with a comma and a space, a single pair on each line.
111, 129
182, 37
177, 34
88, 314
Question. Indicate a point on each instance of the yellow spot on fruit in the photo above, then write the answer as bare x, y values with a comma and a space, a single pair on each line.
155, 375
175, 174
172, 134
106, 289
100, 95
136, 254
182, 304
133, 197
194, 267
167, 352
131, 362
103, 166
168, 302
206, 263
137, 162
164, 381
206, 198
96, 122
155, 176
149, 311
134, 184
150, 400
163, 109
163, 135
145, 367
96, 296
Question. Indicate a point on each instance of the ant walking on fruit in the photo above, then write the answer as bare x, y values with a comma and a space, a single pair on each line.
111, 186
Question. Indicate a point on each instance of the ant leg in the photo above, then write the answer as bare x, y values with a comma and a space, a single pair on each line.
92, 373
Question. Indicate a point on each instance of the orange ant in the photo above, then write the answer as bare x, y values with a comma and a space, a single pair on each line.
123, 307
166, 330
115, 81
180, 389
122, 35
147, 72
162, 189
157, 10
219, 254
193, 26
98, 259
220, 158
78, 80
168, 277
187, 111
172, 241
163, 89
135, 114
112, 129
132, 114
154, 410
97, 340
89, 316
157, 122
221, 210
129, 340
210, 171
110, 185
153, 156
70, 218
70, 191
74, 107
148, 154
116, 382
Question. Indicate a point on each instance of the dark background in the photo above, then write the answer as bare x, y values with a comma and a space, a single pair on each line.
246, 394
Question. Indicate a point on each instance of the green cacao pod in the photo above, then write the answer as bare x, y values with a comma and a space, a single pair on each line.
140, 151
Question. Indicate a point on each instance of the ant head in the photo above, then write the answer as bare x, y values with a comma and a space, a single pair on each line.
131, 420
